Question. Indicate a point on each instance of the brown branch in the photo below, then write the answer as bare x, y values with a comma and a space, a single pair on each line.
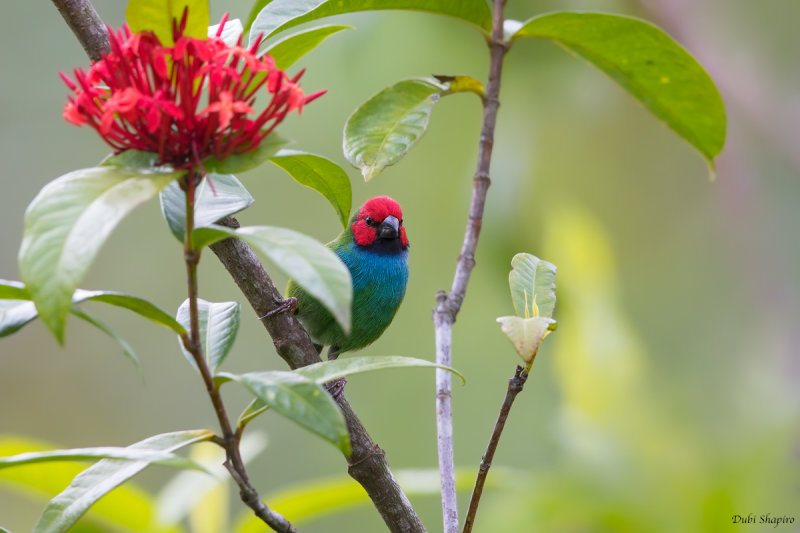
367, 464
515, 386
87, 26
448, 305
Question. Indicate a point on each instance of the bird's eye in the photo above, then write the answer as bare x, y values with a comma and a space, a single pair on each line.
370, 222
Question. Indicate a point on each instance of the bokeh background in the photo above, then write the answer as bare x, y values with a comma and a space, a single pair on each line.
666, 401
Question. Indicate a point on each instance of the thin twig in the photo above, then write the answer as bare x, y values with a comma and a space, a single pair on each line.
367, 464
234, 462
515, 386
448, 305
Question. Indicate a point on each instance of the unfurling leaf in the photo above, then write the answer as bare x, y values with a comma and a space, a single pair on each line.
526, 334
533, 286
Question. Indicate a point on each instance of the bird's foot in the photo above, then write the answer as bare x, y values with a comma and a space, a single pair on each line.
336, 387
289, 304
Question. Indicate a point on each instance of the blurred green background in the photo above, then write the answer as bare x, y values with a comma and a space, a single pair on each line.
667, 399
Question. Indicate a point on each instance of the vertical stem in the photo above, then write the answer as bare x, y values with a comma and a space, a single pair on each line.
448, 305
230, 440
515, 386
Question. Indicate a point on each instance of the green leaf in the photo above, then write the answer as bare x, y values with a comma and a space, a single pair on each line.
255, 408
320, 174
330, 370
310, 263
234, 164
258, 5
526, 334
66, 224
301, 400
219, 323
157, 15
280, 15
127, 509
13, 290
385, 127
14, 314
533, 286
646, 62
137, 159
126, 348
93, 483
102, 452
132, 303
287, 51
226, 198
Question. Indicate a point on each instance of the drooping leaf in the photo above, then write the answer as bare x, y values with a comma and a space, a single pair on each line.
320, 174
526, 334
13, 290
280, 15
330, 370
66, 224
236, 163
127, 509
385, 127
14, 314
132, 303
646, 62
219, 323
101, 452
157, 16
97, 480
533, 286
300, 400
227, 197
310, 263
126, 348
288, 50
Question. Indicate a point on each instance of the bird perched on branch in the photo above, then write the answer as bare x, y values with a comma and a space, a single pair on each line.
374, 247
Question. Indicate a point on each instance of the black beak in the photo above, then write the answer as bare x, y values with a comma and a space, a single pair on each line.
389, 228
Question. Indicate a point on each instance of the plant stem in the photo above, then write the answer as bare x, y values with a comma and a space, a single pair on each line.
367, 464
515, 386
448, 305
230, 441
84, 22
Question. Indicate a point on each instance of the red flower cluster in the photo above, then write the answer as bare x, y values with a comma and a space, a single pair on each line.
146, 96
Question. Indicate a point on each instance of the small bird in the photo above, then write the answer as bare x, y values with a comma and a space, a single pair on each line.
374, 247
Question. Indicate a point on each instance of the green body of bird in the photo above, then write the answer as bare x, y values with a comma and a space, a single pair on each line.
374, 247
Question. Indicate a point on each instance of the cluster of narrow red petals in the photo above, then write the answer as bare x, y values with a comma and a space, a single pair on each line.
185, 102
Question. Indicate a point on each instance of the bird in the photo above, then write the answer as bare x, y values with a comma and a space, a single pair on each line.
374, 247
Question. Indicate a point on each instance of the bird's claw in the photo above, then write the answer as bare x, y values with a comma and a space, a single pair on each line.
336, 387
289, 304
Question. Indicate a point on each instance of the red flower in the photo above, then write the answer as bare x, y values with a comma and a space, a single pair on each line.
185, 102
